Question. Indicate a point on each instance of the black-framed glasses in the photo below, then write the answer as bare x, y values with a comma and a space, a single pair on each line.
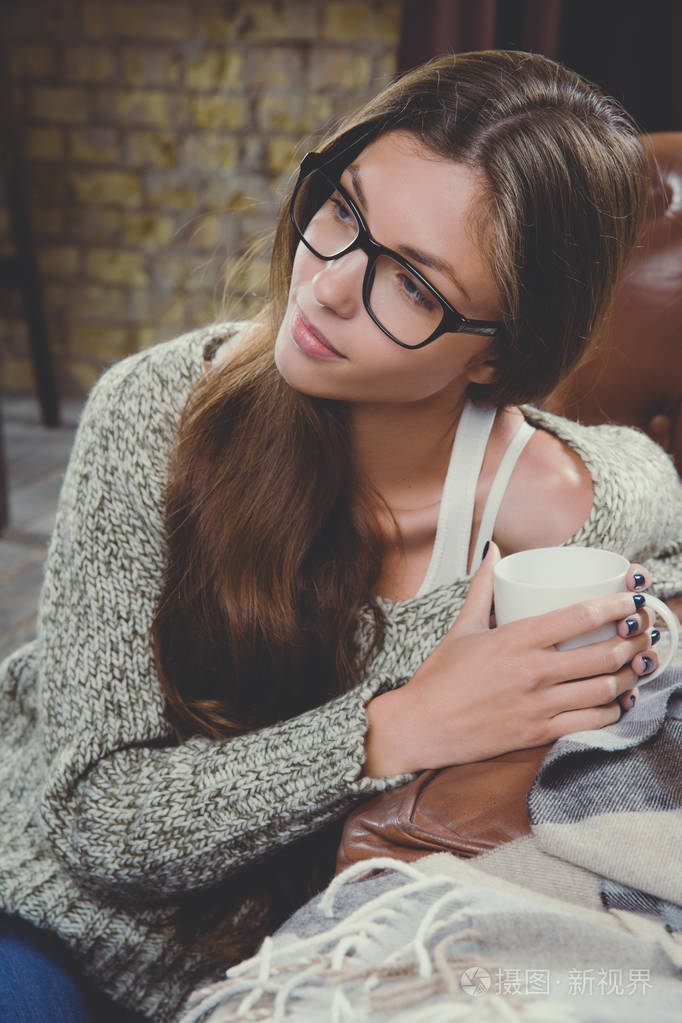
400, 300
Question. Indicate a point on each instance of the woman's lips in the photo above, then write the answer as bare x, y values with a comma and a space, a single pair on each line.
310, 340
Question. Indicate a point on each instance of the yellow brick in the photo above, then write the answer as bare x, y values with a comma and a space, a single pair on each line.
152, 149
302, 113
46, 18
218, 112
218, 21
214, 69
145, 228
212, 152
101, 341
17, 375
295, 19
138, 20
61, 261
387, 69
92, 223
89, 64
115, 266
94, 145
202, 232
43, 143
184, 269
59, 103
30, 60
121, 187
250, 278
239, 202
151, 66
275, 67
145, 337
98, 302
149, 107
362, 22
83, 376
46, 221
165, 193
282, 154
339, 69
170, 311
204, 308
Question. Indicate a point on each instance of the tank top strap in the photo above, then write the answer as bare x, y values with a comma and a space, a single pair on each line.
498, 489
450, 555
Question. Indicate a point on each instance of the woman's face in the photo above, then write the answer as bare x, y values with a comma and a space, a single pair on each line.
421, 206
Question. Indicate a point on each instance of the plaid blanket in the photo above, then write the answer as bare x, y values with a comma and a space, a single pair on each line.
610, 801
443, 940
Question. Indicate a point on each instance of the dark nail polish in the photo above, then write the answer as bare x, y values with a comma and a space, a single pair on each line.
655, 636
639, 600
485, 549
633, 699
632, 625
638, 580
648, 665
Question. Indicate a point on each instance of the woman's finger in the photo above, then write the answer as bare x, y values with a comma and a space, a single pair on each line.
585, 693
640, 621
475, 613
638, 578
629, 699
554, 627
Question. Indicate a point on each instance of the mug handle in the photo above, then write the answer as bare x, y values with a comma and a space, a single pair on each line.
672, 622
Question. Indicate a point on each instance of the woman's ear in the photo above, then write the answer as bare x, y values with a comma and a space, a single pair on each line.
482, 370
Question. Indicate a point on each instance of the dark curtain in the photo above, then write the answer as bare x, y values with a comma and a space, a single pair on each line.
632, 50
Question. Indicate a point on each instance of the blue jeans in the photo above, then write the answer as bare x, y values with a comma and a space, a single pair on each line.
39, 983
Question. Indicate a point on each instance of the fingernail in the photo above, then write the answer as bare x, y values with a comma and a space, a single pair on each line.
633, 699
639, 600
485, 549
638, 580
655, 636
632, 625
648, 665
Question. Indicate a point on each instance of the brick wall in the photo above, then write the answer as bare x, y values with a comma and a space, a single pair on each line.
158, 139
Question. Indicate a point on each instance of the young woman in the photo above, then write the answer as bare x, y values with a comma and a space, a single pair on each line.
251, 611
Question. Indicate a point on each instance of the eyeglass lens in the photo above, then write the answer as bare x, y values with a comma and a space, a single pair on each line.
398, 299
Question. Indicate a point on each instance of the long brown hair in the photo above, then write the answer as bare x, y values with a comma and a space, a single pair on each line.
273, 541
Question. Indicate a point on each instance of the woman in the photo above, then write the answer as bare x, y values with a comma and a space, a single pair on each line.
444, 259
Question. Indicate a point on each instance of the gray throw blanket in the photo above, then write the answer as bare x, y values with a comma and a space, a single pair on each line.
444, 940
609, 800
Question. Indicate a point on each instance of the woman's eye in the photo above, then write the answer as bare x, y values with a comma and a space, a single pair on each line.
415, 292
341, 210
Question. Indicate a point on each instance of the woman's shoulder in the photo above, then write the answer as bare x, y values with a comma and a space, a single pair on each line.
576, 482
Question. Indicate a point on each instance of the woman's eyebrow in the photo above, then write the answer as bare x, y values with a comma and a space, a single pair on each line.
414, 255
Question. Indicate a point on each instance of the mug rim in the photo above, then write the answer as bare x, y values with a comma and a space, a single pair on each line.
499, 572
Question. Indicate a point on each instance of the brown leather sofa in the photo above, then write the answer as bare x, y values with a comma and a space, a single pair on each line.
634, 375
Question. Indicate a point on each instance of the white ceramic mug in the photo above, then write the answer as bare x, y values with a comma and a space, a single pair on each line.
548, 578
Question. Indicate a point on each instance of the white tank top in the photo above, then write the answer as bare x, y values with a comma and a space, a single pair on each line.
449, 558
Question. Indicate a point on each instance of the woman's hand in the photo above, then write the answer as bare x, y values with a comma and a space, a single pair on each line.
483, 692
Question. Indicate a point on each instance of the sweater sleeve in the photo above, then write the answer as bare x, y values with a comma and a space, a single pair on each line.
125, 808
661, 510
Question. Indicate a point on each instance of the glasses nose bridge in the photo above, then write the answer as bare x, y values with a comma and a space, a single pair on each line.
366, 244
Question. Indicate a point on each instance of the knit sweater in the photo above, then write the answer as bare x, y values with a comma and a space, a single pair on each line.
106, 822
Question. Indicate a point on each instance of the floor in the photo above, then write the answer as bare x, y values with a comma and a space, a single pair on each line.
36, 460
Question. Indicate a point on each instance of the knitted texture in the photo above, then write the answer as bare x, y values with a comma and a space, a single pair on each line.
106, 822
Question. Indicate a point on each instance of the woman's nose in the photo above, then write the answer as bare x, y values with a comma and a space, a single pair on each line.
338, 284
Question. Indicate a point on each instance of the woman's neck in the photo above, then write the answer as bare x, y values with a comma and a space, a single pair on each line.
403, 451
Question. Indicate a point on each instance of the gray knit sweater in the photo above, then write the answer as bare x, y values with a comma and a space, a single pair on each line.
105, 822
